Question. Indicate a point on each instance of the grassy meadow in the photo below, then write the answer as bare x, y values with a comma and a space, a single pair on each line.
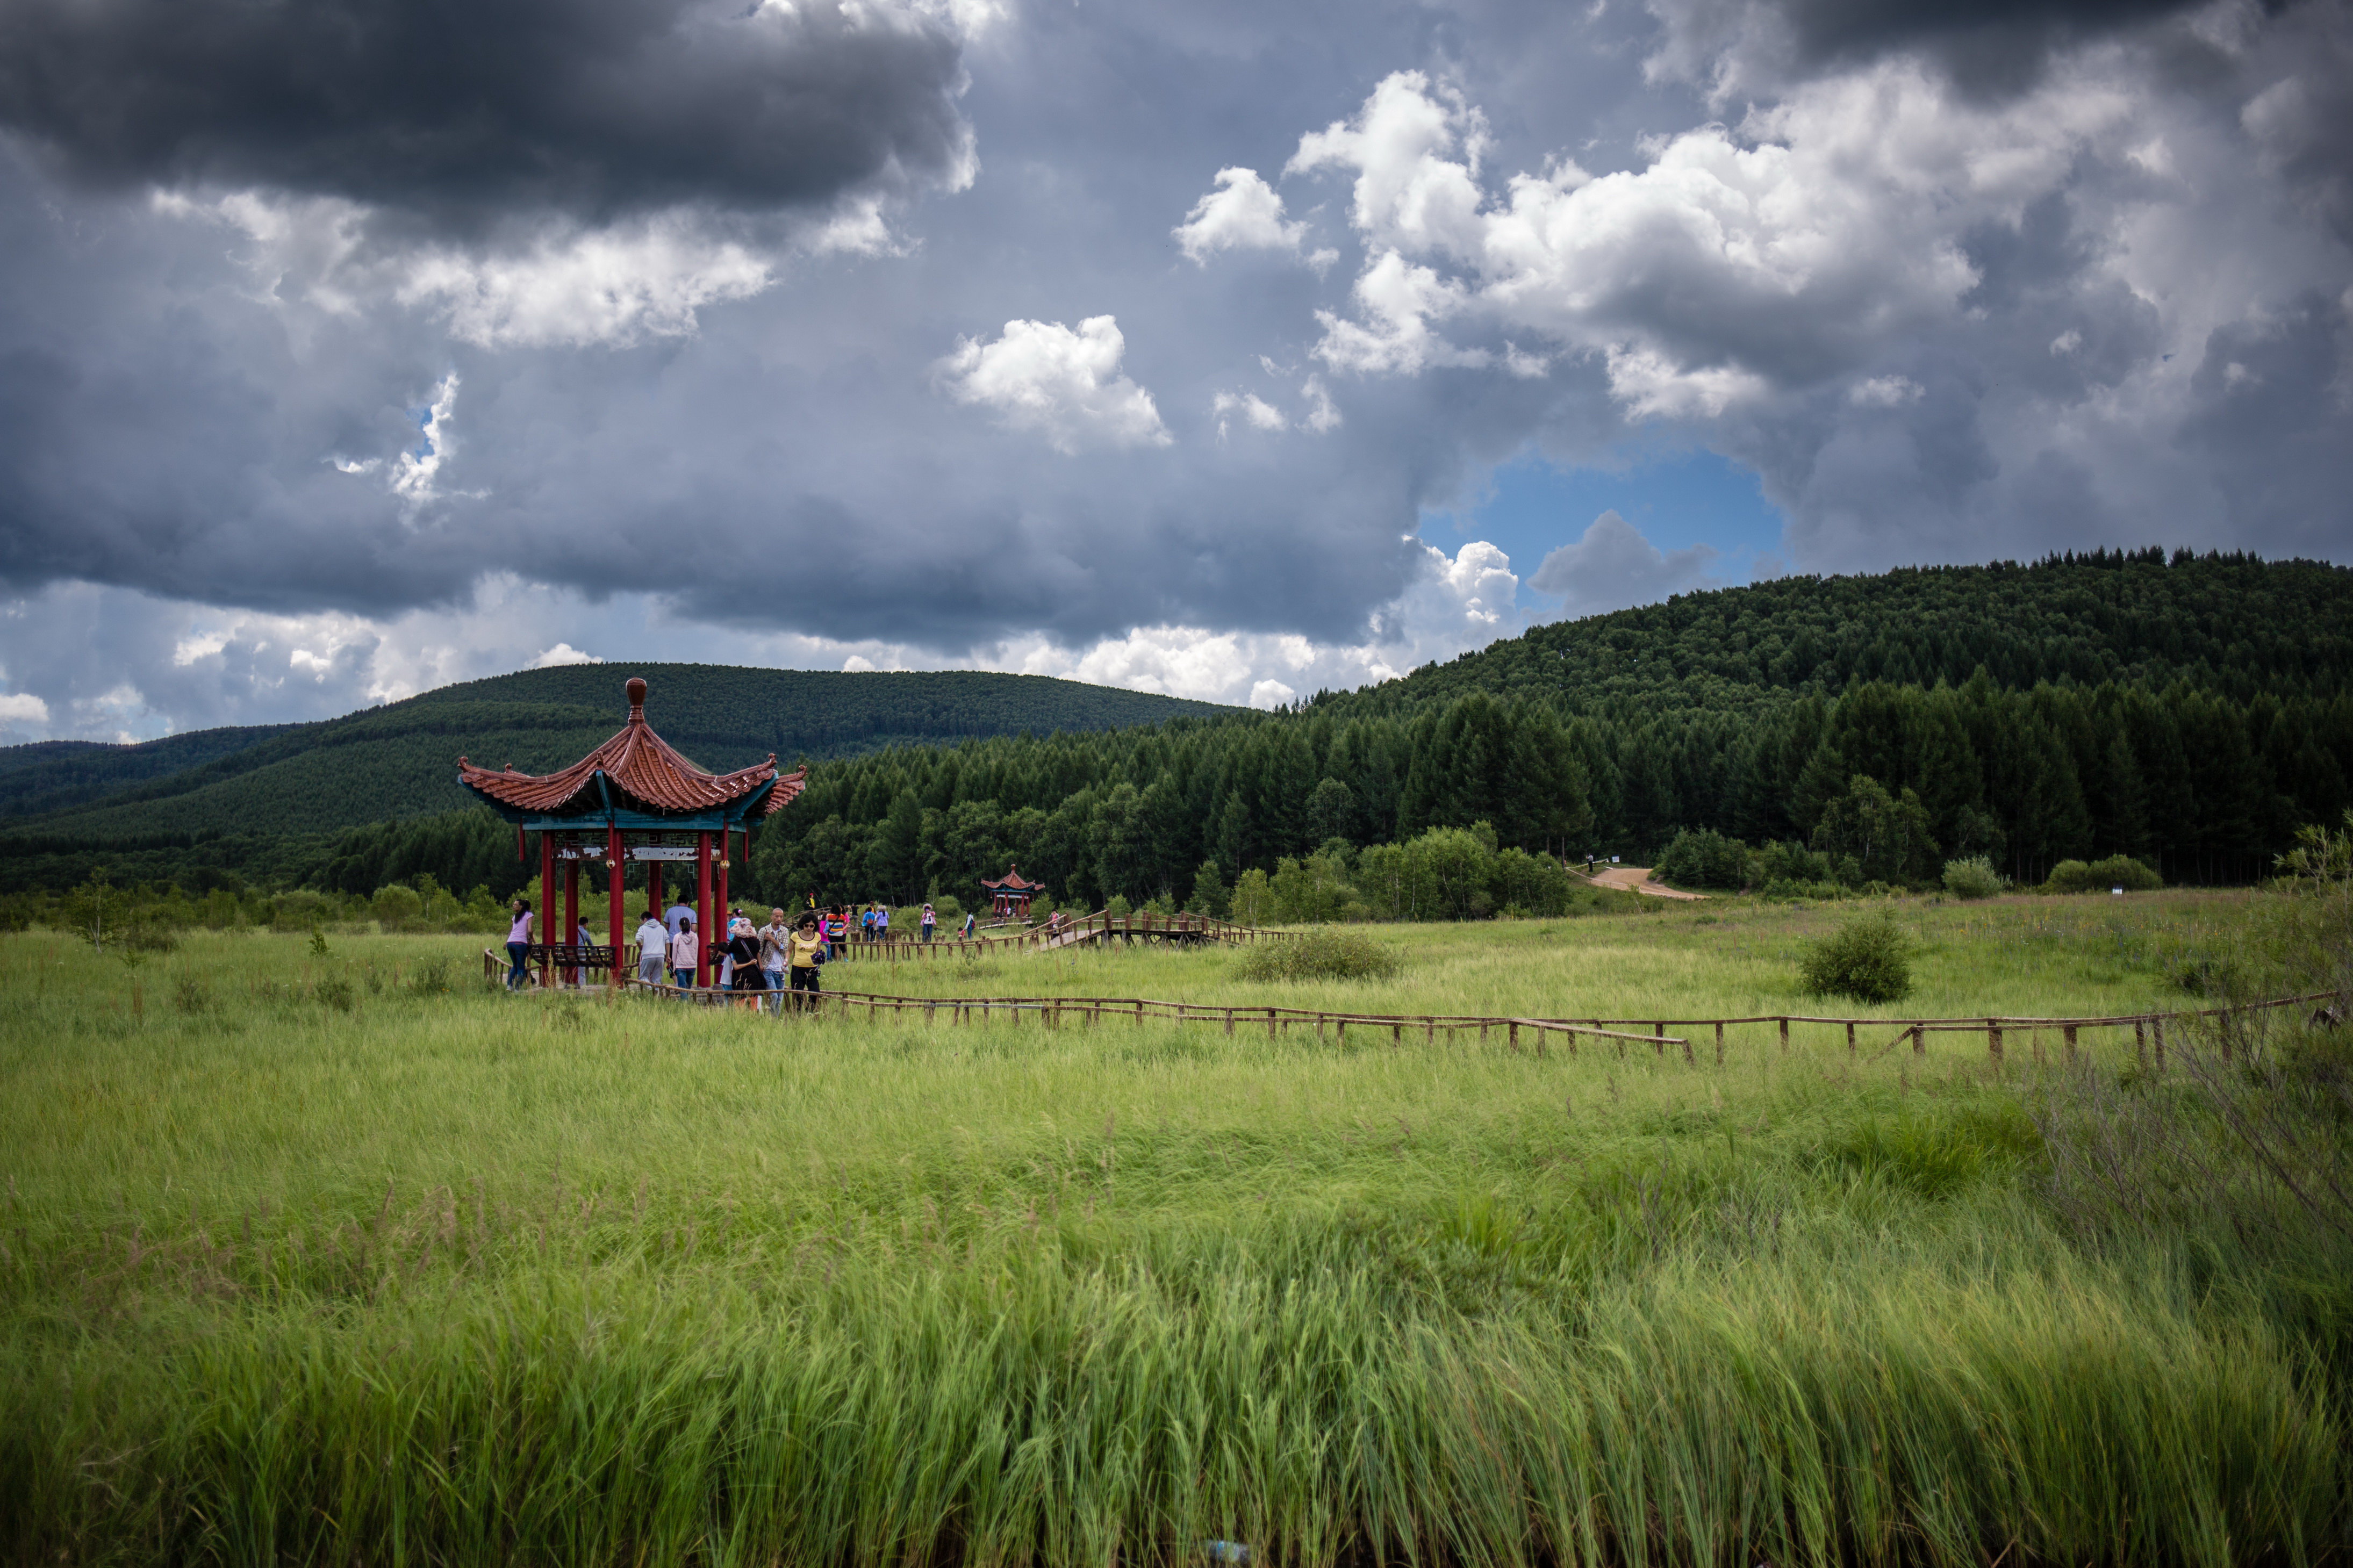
348, 1258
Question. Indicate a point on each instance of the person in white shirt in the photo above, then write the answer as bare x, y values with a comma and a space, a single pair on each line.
683, 950
776, 952
653, 949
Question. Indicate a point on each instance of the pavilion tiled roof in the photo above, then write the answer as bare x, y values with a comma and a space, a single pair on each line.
642, 771
1012, 882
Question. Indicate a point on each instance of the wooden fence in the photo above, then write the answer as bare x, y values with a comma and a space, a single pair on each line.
1055, 1011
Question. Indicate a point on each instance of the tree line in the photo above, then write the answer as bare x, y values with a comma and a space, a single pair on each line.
2201, 787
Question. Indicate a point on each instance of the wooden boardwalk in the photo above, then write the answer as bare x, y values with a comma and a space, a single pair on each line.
2149, 1029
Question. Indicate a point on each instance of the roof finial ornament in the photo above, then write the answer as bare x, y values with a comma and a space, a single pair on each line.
637, 691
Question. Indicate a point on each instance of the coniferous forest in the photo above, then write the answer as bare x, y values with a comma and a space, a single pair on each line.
2190, 712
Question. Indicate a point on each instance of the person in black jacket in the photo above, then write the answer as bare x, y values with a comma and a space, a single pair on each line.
744, 947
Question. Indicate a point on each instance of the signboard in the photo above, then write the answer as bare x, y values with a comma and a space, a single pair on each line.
636, 852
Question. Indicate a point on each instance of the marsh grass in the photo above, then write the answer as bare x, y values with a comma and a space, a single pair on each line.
454, 1276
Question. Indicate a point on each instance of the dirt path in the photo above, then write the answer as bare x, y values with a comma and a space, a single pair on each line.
1637, 880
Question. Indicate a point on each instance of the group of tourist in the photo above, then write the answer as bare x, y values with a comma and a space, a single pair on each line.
754, 958
777, 958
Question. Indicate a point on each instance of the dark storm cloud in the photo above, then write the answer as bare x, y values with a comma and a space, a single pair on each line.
1986, 44
466, 112
209, 399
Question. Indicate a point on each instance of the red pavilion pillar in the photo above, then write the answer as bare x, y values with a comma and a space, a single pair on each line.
546, 907
618, 863
570, 914
726, 856
702, 909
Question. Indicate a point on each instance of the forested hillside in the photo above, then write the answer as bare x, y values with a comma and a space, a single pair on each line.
2190, 711
259, 803
2232, 624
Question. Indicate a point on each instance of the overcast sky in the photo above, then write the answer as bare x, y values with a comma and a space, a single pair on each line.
1225, 348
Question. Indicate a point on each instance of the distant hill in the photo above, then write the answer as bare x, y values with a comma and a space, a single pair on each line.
400, 760
2233, 625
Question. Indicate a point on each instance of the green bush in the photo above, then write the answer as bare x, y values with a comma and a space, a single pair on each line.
2116, 871
1974, 878
398, 907
1793, 863
1868, 960
1324, 955
1704, 859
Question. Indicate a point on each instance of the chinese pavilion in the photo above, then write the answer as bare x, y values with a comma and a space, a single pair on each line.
632, 798
1011, 893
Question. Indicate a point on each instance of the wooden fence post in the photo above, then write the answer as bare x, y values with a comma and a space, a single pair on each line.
1850, 1037
1785, 1037
2157, 1038
2068, 1034
1515, 1028
1719, 1043
1993, 1038
1659, 1033
2140, 1041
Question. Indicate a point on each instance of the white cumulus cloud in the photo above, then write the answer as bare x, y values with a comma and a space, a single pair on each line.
1063, 384
1243, 213
1738, 262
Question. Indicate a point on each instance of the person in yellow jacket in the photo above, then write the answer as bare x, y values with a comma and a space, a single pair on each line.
807, 947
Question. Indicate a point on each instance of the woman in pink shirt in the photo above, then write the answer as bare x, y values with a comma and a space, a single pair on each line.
683, 953
519, 946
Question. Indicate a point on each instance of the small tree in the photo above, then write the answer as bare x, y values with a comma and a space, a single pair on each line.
1867, 959
1887, 836
1208, 892
1253, 899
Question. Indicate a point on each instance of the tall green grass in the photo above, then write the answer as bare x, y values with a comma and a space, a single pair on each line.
308, 1260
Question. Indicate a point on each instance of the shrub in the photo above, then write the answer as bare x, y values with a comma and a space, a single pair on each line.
1116, 904
1974, 878
2116, 871
1704, 859
1868, 960
1793, 863
1324, 955
398, 907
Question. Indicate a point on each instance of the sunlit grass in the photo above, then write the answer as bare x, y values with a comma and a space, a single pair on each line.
304, 1260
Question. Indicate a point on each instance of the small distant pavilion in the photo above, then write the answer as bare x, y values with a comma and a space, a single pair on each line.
1011, 893
632, 798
